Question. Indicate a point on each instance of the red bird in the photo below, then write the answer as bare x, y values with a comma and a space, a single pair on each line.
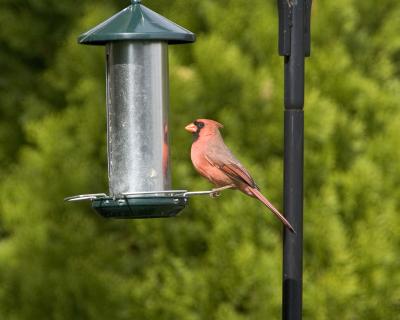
213, 160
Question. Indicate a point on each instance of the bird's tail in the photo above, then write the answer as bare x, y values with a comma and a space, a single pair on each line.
275, 211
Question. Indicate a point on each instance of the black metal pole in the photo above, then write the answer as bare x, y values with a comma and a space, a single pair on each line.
294, 45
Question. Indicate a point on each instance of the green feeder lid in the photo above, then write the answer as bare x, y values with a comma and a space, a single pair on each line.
136, 22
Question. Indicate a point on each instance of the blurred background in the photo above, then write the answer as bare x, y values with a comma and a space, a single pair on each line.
221, 258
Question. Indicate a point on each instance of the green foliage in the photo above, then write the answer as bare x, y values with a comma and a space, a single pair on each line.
221, 259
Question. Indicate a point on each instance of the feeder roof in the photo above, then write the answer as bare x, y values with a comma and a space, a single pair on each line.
136, 22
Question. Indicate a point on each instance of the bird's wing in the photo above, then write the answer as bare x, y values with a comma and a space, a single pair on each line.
223, 159
238, 173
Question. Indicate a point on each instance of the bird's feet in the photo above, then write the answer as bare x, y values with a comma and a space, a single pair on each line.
216, 192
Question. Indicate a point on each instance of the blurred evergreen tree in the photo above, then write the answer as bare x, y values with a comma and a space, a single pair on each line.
221, 259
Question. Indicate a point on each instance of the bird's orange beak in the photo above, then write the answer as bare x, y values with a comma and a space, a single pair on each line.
191, 128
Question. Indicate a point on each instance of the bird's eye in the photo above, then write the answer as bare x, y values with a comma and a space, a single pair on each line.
199, 124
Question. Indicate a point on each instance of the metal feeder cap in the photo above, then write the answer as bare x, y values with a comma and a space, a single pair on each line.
136, 22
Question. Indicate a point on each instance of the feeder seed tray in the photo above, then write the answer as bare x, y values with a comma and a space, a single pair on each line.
140, 205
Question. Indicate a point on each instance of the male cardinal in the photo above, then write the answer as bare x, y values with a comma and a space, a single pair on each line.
213, 160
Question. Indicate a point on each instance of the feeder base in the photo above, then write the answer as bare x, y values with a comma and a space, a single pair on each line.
139, 207
142, 205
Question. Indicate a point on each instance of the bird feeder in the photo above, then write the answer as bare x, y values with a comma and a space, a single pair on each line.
136, 40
